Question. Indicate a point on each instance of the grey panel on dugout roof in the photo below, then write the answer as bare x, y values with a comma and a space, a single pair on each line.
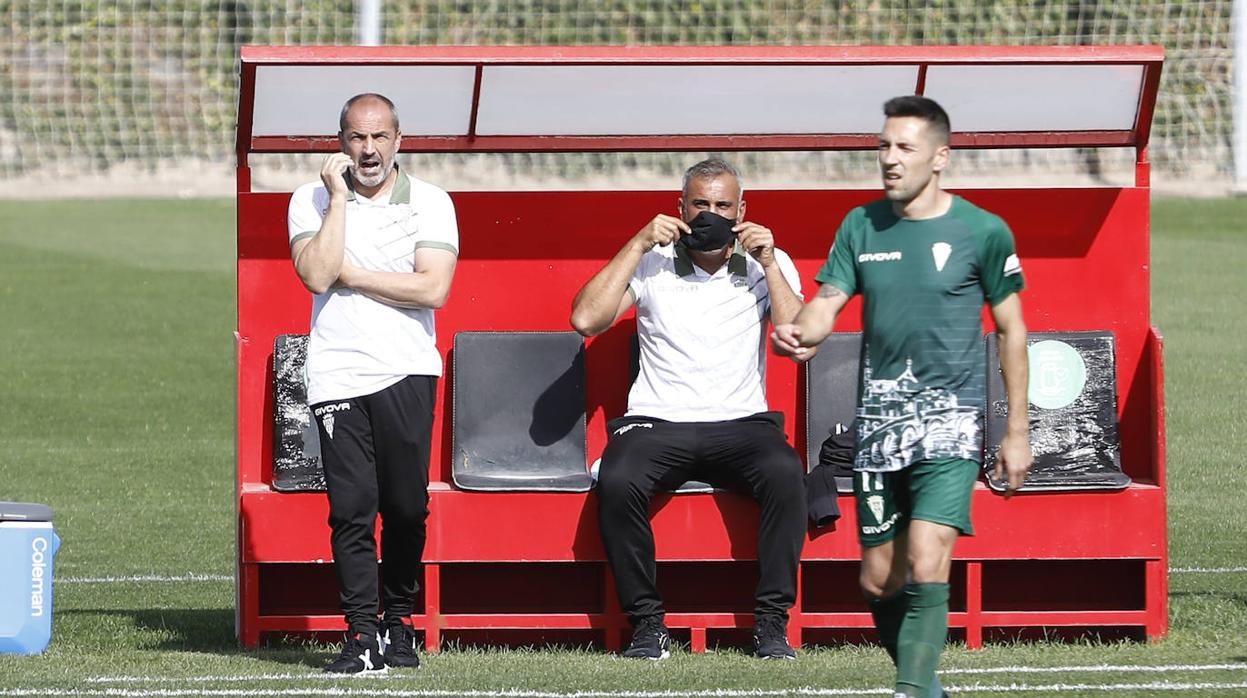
519, 412
831, 381
1072, 411
1023, 94
24, 511
296, 443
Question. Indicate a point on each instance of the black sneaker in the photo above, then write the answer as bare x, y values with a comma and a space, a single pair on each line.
361, 654
650, 640
398, 642
770, 638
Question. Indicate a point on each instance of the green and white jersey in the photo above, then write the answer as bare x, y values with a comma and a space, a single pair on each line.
923, 285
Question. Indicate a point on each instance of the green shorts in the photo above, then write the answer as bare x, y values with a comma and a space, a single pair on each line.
931, 490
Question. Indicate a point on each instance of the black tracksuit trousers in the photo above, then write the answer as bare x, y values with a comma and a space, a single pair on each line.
750, 455
375, 451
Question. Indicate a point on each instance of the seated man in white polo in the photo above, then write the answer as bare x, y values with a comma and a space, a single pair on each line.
704, 285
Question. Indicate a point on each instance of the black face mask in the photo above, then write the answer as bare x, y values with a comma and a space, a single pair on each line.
710, 232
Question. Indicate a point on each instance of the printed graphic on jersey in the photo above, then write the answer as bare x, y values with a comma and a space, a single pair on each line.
901, 422
397, 238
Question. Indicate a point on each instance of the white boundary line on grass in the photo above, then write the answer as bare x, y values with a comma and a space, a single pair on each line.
518, 693
1091, 668
175, 579
1094, 668
1152, 686
145, 578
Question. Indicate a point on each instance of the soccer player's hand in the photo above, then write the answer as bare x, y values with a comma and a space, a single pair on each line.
758, 241
1014, 461
332, 173
786, 341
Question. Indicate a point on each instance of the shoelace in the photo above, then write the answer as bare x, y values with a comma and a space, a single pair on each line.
650, 628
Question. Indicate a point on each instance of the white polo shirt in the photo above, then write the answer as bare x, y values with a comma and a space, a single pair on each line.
358, 345
702, 336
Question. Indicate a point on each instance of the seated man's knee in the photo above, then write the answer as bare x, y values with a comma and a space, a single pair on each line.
783, 473
790, 479
617, 486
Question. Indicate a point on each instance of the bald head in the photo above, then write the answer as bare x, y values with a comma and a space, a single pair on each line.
371, 99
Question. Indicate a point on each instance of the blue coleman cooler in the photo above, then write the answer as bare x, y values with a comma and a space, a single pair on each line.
27, 546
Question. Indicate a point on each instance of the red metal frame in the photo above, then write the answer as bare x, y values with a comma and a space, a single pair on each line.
1036, 560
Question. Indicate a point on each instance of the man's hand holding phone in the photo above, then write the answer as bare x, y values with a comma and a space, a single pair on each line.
333, 174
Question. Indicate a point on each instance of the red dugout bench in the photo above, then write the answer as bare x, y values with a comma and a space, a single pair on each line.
511, 566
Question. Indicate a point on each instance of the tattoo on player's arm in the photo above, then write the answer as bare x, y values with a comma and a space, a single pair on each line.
829, 291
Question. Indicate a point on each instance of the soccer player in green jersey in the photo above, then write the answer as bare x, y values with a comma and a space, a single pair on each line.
925, 262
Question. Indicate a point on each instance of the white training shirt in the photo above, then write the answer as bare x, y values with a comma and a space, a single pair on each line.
358, 345
702, 336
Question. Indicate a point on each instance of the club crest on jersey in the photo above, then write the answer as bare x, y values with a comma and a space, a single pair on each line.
327, 420
875, 502
940, 251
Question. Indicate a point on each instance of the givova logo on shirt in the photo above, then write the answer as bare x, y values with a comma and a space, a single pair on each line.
893, 256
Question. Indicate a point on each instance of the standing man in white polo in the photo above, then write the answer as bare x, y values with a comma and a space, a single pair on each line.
704, 285
378, 249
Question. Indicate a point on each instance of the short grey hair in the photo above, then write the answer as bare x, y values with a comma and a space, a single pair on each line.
366, 95
709, 169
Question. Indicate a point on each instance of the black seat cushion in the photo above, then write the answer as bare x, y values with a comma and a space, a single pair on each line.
519, 412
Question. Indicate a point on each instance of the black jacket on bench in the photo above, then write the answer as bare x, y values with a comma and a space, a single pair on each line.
835, 458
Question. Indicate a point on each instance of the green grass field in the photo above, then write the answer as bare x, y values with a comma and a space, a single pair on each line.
116, 408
